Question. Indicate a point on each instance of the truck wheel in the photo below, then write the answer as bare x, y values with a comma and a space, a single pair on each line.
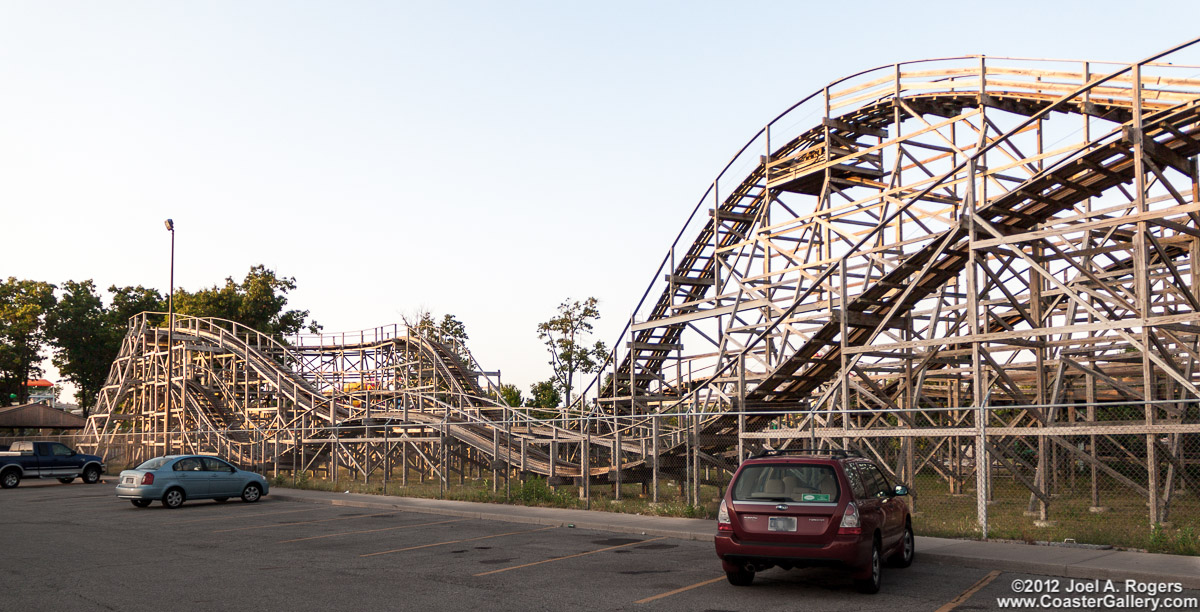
251, 493
10, 479
140, 503
66, 480
91, 475
173, 498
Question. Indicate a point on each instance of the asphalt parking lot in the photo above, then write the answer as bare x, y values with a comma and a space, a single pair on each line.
77, 547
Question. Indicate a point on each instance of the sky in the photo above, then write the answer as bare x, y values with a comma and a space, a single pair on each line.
484, 159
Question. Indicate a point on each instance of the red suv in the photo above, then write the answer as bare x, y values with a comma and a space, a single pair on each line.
801, 508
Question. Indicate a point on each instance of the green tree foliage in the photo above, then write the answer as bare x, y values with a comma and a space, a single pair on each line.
23, 308
257, 302
82, 336
564, 336
545, 395
130, 301
511, 395
87, 336
422, 324
453, 328
449, 331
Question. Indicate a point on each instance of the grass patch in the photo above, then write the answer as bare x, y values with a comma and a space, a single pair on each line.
1125, 523
937, 513
529, 492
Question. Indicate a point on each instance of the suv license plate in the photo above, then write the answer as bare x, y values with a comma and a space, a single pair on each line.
781, 523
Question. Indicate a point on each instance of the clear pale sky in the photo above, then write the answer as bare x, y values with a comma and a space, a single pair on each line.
486, 159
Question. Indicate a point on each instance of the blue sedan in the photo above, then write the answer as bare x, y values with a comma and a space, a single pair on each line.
176, 478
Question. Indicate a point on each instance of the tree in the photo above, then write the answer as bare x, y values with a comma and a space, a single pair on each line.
421, 323
129, 301
79, 331
545, 395
258, 303
564, 337
452, 328
23, 307
87, 336
450, 331
511, 395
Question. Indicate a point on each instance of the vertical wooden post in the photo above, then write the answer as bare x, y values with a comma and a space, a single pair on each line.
741, 399
981, 454
1142, 292
654, 456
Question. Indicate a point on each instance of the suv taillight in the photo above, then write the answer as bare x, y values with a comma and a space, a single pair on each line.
723, 523
148, 479
850, 523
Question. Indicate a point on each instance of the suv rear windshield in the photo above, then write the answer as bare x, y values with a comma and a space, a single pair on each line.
786, 482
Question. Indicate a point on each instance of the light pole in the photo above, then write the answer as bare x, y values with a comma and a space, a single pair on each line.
170, 335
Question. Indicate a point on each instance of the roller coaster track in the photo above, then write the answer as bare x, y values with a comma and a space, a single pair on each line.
938, 227
219, 409
1151, 126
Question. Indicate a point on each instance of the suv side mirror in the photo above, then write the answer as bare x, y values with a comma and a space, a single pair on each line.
901, 490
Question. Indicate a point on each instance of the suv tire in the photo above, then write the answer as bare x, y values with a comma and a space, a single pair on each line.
741, 577
904, 556
871, 585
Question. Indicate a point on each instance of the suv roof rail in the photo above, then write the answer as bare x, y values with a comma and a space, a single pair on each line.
836, 452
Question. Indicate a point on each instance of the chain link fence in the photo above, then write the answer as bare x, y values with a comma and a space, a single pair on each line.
1081, 481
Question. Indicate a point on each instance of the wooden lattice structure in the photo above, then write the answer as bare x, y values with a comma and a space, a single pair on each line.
930, 262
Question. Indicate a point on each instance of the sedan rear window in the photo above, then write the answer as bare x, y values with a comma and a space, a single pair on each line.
153, 464
786, 482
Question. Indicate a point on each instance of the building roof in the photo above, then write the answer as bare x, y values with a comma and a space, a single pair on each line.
41, 382
39, 416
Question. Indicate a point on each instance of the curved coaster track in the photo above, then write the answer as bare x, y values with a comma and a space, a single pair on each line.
927, 262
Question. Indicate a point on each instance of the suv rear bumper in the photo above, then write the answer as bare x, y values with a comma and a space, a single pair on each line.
844, 551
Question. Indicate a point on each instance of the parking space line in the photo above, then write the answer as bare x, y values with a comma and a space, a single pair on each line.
679, 590
590, 552
334, 535
386, 552
225, 517
339, 518
965, 595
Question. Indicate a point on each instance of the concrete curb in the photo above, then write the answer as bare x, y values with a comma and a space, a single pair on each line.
1077, 563
601, 521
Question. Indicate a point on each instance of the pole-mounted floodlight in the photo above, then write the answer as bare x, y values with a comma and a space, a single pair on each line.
170, 336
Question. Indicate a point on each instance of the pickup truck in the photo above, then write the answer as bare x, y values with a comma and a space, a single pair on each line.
47, 460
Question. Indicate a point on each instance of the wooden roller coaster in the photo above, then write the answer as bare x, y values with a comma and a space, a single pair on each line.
930, 262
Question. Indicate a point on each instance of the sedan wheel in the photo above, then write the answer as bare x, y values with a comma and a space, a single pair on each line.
251, 493
140, 503
173, 498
